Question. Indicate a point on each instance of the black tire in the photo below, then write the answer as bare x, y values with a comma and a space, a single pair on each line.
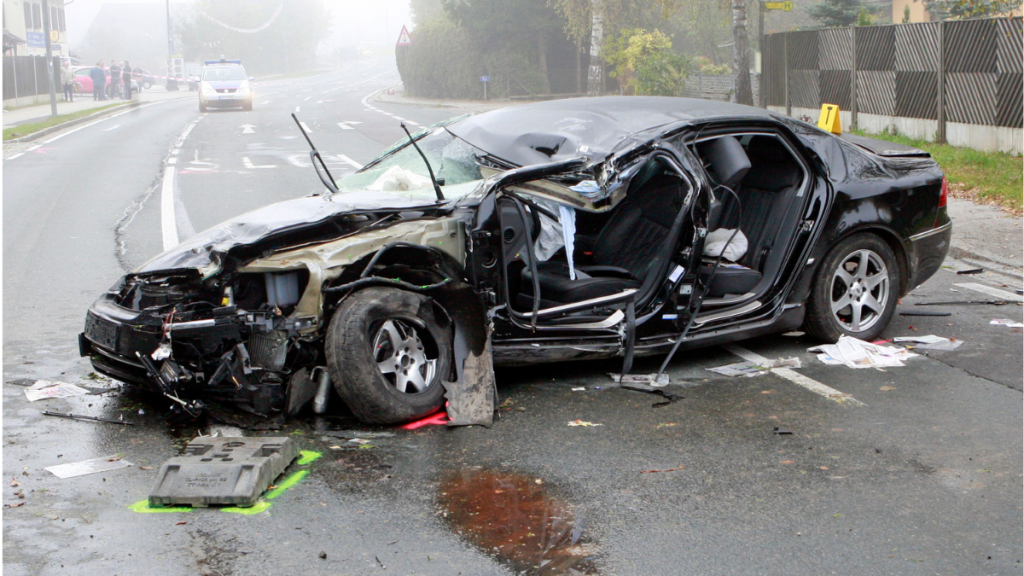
202, 107
247, 106
362, 336
860, 275
147, 85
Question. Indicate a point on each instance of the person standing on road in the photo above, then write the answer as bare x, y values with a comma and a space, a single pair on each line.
126, 76
115, 80
67, 78
99, 81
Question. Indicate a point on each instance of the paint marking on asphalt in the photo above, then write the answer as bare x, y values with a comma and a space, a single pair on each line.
411, 123
248, 164
172, 160
167, 223
304, 127
114, 127
297, 108
307, 98
34, 148
104, 119
18, 155
795, 377
1001, 294
350, 161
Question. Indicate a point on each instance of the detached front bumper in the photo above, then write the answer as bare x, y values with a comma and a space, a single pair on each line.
112, 337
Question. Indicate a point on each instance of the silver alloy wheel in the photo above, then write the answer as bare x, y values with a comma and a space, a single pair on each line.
401, 358
860, 291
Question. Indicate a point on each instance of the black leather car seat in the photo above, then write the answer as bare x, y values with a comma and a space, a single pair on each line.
623, 252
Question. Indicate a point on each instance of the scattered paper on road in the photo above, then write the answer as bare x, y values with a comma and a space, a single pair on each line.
648, 379
88, 467
931, 342
750, 369
583, 423
860, 354
920, 339
1007, 322
46, 389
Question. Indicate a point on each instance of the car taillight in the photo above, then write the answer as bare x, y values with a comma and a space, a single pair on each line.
944, 194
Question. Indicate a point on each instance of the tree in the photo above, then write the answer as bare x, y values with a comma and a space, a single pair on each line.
742, 93
836, 13
964, 9
645, 64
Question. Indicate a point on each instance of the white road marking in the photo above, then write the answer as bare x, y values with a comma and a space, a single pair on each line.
248, 164
172, 160
307, 98
1001, 294
167, 225
319, 101
795, 377
114, 127
411, 123
350, 161
175, 151
18, 155
347, 125
104, 119
36, 147
304, 127
297, 108
248, 129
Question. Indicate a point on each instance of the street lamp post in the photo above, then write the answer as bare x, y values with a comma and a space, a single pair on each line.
172, 83
49, 58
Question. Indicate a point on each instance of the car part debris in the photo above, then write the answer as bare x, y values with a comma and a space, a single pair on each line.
970, 271
438, 419
582, 423
71, 416
47, 389
855, 353
668, 396
656, 380
357, 434
1007, 322
84, 467
323, 389
301, 390
750, 369
223, 471
781, 431
924, 313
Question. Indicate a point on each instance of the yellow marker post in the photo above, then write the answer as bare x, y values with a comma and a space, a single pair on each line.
829, 119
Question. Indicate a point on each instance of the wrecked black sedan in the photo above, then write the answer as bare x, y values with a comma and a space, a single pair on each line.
565, 230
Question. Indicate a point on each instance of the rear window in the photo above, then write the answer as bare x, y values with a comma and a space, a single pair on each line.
223, 73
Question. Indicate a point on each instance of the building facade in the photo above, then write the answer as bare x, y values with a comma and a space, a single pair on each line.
23, 19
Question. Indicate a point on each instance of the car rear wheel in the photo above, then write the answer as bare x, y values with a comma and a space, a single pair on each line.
855, 290
387, 351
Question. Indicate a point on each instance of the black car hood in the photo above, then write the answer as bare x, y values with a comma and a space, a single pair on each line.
204, 249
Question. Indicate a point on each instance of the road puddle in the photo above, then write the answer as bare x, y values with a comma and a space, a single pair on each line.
512, 517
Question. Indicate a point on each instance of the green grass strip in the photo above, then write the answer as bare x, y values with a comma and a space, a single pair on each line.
989, 177
307, 456
288, 483
26, 129
143, 507
260, 506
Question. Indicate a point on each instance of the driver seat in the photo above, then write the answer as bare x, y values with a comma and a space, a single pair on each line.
623, 252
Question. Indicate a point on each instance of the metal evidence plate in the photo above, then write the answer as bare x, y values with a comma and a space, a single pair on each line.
227, 471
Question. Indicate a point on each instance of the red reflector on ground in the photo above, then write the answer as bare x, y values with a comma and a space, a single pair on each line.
437, 419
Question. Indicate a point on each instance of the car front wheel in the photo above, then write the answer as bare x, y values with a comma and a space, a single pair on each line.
387, 351
855, 290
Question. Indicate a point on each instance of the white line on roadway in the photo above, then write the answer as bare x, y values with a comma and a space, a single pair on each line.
304, 127
307, 98
296, 108
114, 127
1002, 294
795, 377
18, 155
167, 224
349, 161
33, 148
104, 119
248, 164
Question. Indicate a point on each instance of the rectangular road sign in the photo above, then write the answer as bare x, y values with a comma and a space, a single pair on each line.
787, 5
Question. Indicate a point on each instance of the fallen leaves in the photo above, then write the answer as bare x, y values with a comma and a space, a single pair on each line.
15, 505
14, 483
786, 462
578, 422
886, 388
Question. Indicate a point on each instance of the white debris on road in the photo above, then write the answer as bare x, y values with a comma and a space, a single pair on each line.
46, 389
860, 354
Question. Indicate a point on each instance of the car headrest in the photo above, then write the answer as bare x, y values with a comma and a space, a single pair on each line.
727, 160
773, 167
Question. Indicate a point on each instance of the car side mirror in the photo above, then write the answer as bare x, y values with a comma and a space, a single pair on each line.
251, 79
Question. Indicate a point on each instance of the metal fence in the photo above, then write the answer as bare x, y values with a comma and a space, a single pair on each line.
716, 87
967, 71
26, 76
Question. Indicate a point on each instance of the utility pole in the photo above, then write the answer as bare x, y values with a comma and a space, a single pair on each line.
49, 58
172, 83
760, 50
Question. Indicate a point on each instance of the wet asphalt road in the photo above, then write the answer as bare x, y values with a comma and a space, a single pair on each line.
924, 478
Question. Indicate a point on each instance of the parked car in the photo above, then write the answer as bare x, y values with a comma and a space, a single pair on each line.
564, 230
83, 81
193, 82
223, 84
143, 78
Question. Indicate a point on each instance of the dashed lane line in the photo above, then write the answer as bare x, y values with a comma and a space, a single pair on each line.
795, 377
168, 221
1001, 294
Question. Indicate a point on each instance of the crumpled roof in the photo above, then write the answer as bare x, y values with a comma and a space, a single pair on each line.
562, 129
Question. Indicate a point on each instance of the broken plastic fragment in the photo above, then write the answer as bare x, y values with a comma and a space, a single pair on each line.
162, 352
590, 189
584, 423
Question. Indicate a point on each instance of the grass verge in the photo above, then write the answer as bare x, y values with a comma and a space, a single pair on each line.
992, 178
26, 129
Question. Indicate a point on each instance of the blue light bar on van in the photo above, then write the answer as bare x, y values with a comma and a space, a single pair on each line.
212, 62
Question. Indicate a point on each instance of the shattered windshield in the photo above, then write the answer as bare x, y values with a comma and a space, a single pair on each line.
404, 173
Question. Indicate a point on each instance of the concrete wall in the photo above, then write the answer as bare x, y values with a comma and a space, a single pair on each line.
977, 136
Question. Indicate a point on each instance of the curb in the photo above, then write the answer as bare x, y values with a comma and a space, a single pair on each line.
985, 259
69, 123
